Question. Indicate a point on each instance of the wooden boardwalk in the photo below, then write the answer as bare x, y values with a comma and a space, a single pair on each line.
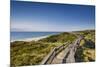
62, 54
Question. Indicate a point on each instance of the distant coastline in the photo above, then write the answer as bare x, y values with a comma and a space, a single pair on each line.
29, 36
31, 39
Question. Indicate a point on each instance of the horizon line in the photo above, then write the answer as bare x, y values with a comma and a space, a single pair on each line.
53, 31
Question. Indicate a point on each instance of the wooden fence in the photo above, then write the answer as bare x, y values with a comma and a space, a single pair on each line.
48, 59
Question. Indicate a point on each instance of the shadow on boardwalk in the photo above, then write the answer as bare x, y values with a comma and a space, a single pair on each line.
67, 55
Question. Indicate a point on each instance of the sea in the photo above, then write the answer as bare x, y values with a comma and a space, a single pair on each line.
24, 35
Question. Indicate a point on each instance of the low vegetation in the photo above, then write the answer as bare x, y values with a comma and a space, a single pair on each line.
86, 49
32, 53
60, 38
28, 53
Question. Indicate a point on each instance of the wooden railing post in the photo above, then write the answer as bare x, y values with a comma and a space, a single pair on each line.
49, 58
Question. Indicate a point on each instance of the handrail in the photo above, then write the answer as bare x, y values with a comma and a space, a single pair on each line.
53, 53
67, 51
48, 57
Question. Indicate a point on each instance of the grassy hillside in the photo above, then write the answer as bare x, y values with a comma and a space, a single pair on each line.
86, 50
60, 38
32, 53
28, 53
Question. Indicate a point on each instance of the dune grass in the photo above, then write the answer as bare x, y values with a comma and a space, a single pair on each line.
86, 50
29, 53
33, 52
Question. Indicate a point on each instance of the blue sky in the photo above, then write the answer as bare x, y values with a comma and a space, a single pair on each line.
35, 16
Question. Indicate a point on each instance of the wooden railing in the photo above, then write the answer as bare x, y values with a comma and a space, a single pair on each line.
76, 44
49, 58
